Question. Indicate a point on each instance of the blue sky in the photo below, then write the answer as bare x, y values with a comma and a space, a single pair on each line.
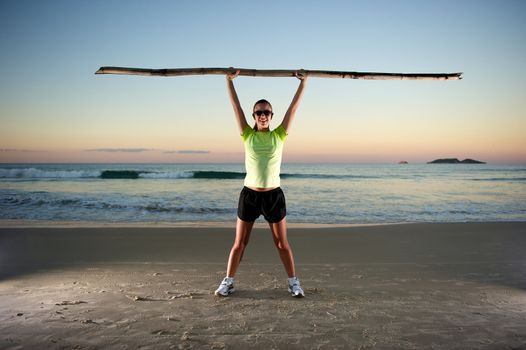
53, 108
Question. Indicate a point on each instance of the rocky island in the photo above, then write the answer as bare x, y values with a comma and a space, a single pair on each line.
455, 161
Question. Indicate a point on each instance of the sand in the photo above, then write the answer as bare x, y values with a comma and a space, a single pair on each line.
409, 286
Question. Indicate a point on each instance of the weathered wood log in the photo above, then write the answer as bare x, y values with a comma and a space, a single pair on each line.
175, 72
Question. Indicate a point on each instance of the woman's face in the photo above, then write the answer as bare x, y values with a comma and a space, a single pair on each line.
263, 115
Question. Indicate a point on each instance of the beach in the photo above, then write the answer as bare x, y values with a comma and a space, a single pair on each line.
393, 286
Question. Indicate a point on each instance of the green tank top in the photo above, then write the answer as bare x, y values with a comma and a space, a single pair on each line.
263, 152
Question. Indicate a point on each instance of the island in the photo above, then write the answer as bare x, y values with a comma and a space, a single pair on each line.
455, 161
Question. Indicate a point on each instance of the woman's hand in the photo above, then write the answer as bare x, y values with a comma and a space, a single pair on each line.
232, 75
300, 74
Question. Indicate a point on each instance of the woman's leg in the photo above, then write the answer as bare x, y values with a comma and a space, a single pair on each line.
279, 234
243, 229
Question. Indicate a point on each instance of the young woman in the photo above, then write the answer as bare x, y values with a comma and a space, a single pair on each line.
261, 193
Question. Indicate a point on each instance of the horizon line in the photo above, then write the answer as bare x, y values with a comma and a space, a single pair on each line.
242, 163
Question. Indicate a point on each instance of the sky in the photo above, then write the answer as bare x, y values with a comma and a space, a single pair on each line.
53, 108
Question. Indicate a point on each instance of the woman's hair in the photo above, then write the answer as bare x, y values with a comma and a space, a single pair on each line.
258, 102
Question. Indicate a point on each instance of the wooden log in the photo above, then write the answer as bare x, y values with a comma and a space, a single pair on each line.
175, 72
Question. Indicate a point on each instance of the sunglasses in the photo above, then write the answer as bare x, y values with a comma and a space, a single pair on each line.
266, 112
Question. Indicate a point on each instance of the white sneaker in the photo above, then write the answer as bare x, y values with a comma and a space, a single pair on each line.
226, 287
295, 288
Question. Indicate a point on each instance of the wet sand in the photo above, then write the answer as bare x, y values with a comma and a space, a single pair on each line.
408, 286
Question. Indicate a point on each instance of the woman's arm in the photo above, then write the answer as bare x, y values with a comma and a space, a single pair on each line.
240, 116
295, 101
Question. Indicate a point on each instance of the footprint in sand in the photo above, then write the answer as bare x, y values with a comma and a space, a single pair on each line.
189, 295
163, 332
74, 302
88, 321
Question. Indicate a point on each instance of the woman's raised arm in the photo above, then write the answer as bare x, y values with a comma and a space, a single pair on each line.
240, 116
289, 116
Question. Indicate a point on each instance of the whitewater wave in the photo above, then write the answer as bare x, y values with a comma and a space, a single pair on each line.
43, 202
33, 173
500, 179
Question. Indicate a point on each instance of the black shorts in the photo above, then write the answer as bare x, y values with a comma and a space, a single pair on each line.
254, 203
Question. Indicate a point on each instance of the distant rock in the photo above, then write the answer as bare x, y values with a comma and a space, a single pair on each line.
455, 161
445, 161
403, 162
472, 161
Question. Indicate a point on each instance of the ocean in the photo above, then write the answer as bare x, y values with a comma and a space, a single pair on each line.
315, 193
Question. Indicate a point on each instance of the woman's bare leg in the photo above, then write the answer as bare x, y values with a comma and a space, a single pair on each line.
243, 229
279, 234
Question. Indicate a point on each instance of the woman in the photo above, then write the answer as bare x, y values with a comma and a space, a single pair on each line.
261, 193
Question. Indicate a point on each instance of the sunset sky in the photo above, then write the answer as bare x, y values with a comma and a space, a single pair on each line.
53, 108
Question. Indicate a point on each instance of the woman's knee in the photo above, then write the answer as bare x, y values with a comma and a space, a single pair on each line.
282, 245
239, 246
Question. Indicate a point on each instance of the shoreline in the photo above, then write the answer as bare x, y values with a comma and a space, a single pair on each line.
260, 223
